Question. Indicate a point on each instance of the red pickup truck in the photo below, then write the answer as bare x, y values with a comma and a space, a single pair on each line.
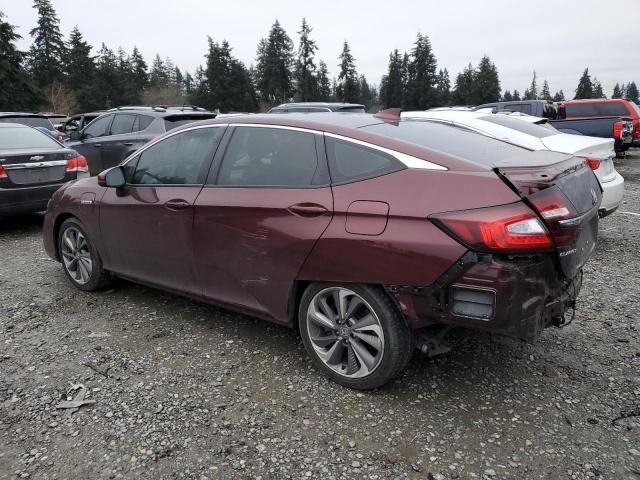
602, 107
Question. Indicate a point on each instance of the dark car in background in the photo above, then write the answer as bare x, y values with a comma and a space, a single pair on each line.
309, 107
367, 232
32, 120
32, 167
115, 134
595, 118
79, 121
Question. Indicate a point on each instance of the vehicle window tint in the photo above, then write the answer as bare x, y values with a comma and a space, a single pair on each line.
130, 168
593, 109
519, 107
72, 124
519, 125
98, 128
181, 159
269, 157
611, 109
24, 137
142, 122
474, 147
31, 121
352, 109
122, 124
176, 121
349, 162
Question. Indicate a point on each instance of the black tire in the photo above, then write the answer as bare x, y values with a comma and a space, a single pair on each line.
98, 277
398, 342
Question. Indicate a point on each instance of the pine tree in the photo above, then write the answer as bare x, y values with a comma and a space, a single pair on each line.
507, 97
367, 94
188, 84
531, 93
158, 75
139, 69
617, 92
546, 93
559, 97
17, 92
127, 93
585, 87
421, 75
391, 86
486, 83
347, 89
306, 80
443, 88
597, 89
107, 76
632, 93
623, 90
324, 84
464, 89
200, 87
516, 96
47, 51
80, 71
274, 64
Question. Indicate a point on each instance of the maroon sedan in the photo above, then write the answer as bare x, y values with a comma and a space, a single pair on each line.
367, 233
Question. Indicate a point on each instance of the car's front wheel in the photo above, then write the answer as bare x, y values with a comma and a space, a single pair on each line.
354, 334
80, 260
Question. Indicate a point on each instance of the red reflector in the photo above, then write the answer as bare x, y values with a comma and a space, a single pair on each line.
512, 227
77, 164
3, 172
593, 163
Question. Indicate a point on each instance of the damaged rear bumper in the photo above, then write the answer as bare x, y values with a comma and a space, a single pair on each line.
513, 295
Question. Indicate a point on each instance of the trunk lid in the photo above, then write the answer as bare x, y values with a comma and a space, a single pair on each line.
567, 184
35, 167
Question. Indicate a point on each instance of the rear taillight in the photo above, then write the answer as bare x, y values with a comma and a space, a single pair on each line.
594, 163
77, 164
617, 129
3, 172
554, 207
506, 228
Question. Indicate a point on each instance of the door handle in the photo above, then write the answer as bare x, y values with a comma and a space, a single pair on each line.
97, 145
177, 204
127, 144
308, 209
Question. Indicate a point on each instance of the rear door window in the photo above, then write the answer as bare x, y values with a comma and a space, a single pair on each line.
98, 128
122, 123
141, 122
269, 157
181, 159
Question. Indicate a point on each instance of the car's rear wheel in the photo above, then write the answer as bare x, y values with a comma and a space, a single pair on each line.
80, 260
354, 334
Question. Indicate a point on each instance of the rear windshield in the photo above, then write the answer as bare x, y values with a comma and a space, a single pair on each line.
599, 109
12, 138
520, 125
31, 121
451, 140
179, 120
351, 109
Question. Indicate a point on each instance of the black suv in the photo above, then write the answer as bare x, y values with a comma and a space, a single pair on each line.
305, 107
117, 133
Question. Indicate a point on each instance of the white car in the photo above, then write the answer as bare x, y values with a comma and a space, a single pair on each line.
535, 133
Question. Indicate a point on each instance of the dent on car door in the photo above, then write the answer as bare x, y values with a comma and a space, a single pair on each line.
266, 203
146, 226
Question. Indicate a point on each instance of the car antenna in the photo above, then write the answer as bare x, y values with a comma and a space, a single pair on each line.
391, 114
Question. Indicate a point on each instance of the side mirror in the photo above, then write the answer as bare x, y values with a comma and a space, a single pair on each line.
74, 135
112, 178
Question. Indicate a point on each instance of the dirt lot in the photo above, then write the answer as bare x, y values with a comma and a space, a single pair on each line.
186, 390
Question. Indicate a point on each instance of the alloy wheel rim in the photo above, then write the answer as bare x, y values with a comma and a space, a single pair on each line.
345, 332
76, 255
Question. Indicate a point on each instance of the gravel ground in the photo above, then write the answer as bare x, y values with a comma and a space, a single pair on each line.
178, 389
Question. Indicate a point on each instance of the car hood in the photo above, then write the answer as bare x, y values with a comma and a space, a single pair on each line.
580, 145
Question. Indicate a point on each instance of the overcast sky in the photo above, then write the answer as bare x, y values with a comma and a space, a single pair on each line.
556, 39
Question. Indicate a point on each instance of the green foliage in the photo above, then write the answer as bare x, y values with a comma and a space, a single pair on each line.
274, 63
305, 71
486, 84
516, 96
392, 85
80, 71
597, 89
367, 94
507, 97
617, 91
559, 97
47, 51
17, 91
585, 87
420, 75
443, 88
632, 93
545, 94
324, 84
348, 87
464, 90
531, 93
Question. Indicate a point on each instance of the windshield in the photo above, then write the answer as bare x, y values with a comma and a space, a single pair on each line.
31, 121
12, 138
533, 129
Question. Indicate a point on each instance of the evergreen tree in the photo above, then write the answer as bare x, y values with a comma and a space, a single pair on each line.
546, 93
139, 69
617, 92
486, 84
391, 86
367, 93
347, 89
80, 71
443, 88
632, 93
107, 76
274, 63
516, 96
421, 75
597, 89
306, 80
200, 93
507, 97
324, 84
158, 75
559, 97
188, 84
126, 93
623, 90
464, 89
17, 92
531, 93
585, 87
47, 51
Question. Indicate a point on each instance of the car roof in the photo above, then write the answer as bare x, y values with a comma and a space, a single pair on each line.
595, 100
22, 114
159, 110
320, 104
13, 125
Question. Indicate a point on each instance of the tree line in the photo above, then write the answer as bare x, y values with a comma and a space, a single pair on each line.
69, 75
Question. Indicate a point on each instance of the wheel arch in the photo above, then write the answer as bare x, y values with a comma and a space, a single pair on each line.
60, 219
